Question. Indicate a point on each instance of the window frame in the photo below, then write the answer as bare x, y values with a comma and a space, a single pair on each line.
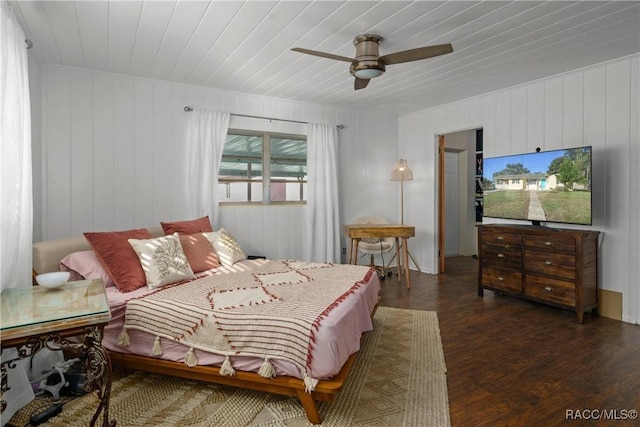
266, 169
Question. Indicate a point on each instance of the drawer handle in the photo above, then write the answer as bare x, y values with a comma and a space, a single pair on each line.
548, 263
548, 243
500, 279
500, 255
548, 289
500, 238
507, 246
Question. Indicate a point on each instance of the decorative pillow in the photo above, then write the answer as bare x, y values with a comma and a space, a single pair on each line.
85, 265
162, 260
200, 225
118, 258
199, 252
228, 250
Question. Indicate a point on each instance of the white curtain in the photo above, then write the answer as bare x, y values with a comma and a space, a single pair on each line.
207, 132
323, 214
16, 199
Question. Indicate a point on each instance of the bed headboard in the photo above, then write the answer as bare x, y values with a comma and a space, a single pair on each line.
48, 254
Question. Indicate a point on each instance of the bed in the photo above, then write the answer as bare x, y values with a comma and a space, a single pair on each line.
244, 301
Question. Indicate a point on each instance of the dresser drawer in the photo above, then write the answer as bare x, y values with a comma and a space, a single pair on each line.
552, 264
550, 290
497, 237
551, 242
502, 256
502, 279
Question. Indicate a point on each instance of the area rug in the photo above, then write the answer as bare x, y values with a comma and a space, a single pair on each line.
398, 379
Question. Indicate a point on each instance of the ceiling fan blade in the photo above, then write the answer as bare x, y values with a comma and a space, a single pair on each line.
416, 54
323, 54
360, 83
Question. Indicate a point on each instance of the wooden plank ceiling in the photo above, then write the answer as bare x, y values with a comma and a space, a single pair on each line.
245, 46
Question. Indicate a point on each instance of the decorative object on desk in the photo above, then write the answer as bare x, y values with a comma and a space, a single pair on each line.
53, 280
401, 172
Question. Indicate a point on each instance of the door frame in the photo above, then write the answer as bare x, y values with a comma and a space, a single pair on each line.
441, 198
441, 204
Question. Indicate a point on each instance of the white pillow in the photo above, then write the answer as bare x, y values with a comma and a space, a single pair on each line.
228, 250
163, 260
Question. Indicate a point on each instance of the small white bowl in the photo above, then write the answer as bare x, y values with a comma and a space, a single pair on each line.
53, 280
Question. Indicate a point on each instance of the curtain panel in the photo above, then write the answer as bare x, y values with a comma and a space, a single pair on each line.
323, 213
207, 133
16, 192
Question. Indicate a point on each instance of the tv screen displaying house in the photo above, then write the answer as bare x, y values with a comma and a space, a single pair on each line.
547, 186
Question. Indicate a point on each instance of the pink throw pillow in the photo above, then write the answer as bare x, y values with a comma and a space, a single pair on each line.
199, 225
118, 258
199, 252
85, 265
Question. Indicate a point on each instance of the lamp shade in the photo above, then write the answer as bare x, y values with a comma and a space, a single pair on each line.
401, 172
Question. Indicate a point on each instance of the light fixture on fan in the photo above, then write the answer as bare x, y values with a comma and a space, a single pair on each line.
362, 72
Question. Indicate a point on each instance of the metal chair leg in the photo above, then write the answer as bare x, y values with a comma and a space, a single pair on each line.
381, 269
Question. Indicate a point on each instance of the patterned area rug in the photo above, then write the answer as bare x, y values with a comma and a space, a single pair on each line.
398, 379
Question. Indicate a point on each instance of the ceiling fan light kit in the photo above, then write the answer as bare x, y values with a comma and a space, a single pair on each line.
365, 71
368, 63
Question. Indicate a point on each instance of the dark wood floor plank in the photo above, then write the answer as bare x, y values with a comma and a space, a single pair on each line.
518, 363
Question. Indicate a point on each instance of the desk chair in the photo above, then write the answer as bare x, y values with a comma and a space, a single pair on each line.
375, 246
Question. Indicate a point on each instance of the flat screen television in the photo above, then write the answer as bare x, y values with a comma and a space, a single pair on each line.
545, 186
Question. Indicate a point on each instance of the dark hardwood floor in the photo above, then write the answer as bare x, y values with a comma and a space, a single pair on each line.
517, 363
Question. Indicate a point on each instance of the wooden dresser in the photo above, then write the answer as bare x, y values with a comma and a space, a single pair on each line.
549, 265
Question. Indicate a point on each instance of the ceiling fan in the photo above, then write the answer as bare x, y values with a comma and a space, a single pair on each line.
368, 63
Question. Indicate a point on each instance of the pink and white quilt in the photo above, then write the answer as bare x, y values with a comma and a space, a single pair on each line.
271, 312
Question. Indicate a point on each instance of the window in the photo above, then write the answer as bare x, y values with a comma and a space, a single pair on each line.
263, 168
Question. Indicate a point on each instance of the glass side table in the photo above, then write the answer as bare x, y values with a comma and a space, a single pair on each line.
33, 318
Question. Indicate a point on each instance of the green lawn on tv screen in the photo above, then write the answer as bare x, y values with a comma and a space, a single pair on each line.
558, 206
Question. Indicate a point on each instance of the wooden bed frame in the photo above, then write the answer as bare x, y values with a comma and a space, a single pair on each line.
46, 258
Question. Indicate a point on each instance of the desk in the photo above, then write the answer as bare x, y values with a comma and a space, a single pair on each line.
35, 317
399, 231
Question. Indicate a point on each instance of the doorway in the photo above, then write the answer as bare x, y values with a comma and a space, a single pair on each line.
457, 195
451, 217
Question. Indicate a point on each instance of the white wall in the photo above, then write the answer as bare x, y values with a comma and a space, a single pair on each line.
595, 106
112, 158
